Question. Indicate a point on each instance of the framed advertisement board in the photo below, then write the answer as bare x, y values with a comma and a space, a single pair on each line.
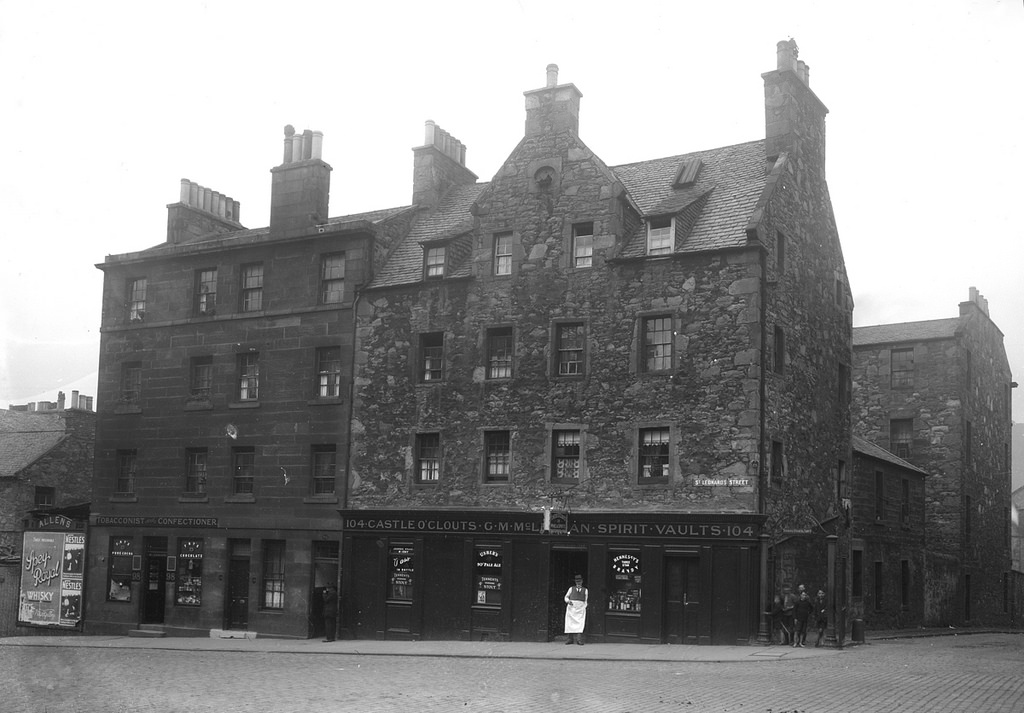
52, 579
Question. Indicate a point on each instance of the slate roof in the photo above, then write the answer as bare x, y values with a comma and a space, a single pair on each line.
25, 437
870, 449
906, 331
714, 210
731, 180
249, 235
451, 219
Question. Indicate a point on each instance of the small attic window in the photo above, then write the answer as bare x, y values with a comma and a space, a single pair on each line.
660, 236
687, 174
434, 261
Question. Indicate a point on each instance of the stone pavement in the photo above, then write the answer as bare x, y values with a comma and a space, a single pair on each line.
555, 650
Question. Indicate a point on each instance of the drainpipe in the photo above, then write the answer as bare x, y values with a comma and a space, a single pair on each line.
763, 633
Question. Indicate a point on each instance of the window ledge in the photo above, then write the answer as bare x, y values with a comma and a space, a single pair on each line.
653, 483
127, 408
240, 498
332, 401
244, 404
318, 499
124, 498
198, 406
194, 498
496, 483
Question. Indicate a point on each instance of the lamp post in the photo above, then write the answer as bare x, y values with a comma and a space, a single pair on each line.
830, 631
764, 634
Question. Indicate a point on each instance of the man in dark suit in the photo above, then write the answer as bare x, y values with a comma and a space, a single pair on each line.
330, 612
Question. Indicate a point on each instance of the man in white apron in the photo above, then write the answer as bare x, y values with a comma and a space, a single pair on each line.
576, 611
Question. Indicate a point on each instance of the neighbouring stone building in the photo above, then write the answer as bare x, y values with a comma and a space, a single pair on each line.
225, 364
638, 373
937, 394
46, 465
886, 516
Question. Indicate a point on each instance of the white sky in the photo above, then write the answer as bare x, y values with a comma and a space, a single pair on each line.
105, 106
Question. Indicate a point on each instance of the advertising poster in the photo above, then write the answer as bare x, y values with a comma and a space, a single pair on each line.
52, 571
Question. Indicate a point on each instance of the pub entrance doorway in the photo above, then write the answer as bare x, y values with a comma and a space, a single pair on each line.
155, 573
681, 600
325, 574
236, 614
565, 564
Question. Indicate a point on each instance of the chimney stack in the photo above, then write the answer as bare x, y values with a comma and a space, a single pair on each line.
974, 297
794, 116
301, 186
553, 109
200, 211
437, 166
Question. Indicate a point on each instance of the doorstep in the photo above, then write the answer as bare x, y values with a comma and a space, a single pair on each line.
231, 634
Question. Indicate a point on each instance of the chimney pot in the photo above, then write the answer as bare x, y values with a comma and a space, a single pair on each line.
60, 400
317, 145
74, 399
786, 54
552, 75
185, 190
307, 145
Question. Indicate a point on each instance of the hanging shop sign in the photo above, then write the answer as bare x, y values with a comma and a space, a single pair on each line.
52, 576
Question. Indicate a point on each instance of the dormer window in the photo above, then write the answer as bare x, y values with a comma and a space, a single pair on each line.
660, 236
434, 262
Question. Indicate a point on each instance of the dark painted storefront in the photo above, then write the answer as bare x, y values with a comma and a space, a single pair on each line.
653, 578
187, 576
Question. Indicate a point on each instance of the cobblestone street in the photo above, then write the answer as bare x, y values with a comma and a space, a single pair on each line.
976, 673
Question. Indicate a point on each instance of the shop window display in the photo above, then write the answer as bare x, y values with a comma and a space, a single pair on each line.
487, 575
122, 554
624, 587
188, 585
400, 574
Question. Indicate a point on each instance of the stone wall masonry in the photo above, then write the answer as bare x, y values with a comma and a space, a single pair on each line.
941, 402
888, 538
285, 422
709, 399
803, 407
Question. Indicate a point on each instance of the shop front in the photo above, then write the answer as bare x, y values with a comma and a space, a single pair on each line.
186, 577
471, 575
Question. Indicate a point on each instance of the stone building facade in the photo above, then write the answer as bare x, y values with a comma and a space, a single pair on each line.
225, 365
638, 373
887, 547
937, 394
